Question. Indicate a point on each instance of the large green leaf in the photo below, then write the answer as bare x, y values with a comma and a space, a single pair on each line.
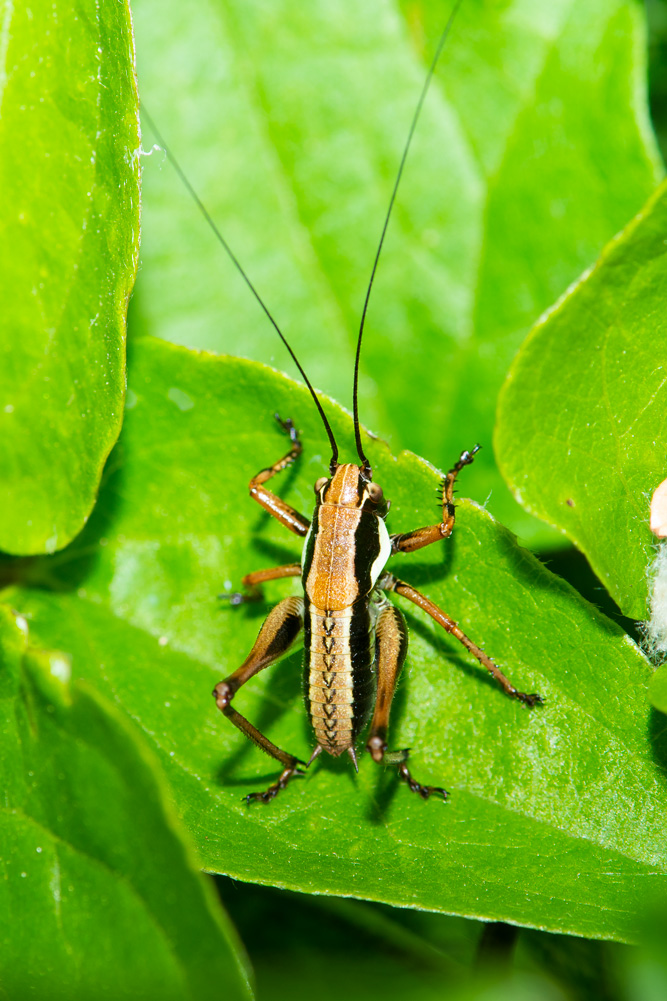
556, 815
100, 897
658, 689
533, 149
69, 216
587, 399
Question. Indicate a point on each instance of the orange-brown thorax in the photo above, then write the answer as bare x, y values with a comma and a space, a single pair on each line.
331, 582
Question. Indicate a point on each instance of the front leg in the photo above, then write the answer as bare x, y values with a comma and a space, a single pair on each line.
278, 633
408, 542
276, 507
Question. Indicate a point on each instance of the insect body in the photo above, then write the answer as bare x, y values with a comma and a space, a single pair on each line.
355, 639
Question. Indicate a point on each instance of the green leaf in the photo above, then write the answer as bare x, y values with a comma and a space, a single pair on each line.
69, 212
556, 815
586, 398
533, 149
100, 896
658, 689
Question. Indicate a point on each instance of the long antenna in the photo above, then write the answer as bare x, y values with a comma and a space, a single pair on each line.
237, 264
413, 125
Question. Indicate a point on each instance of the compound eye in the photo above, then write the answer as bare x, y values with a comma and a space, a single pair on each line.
322, 482
375, 493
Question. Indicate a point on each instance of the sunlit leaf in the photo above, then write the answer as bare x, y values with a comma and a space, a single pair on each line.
586, 398
100, 896
69, 216
658, 690
556, 814
533, 149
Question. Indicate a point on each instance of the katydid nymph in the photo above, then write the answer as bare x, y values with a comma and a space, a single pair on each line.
355, 639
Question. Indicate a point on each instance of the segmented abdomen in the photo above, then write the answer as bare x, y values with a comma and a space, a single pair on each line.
340, 685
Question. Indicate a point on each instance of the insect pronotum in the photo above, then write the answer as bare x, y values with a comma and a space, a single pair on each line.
355, 639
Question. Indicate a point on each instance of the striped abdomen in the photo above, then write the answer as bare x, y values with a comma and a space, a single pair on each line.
340, 685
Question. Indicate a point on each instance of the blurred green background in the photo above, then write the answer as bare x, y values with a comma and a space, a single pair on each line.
656, 13
301, 945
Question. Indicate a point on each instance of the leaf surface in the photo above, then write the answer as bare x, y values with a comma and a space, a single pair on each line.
100, 896
533, 149
658, 689
69, 213
556, 815
587, 399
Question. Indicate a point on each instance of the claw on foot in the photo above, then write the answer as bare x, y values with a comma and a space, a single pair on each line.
467, 456
265, 797
424, 791
288, 427
532, 699
236, 598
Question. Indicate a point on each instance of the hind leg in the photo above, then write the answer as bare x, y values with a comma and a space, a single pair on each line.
391, 637
277, 635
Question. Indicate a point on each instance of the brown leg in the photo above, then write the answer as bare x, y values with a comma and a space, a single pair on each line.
391, 639
272, 573
293, 766
279, 631
285, 514
390, 583
408, 542
252, 582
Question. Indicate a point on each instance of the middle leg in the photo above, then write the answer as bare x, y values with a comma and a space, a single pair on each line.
253, 581
390, 583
